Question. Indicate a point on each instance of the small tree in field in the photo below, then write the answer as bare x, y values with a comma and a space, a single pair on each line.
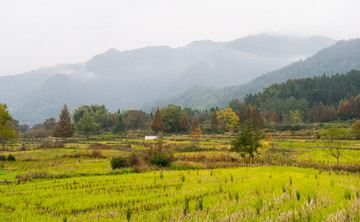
334, 141
196, 134
63, 127
7, 129
248, 140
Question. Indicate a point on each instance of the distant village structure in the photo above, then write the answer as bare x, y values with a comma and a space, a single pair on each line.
151, 137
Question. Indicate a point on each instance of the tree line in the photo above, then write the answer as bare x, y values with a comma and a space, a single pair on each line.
293, 102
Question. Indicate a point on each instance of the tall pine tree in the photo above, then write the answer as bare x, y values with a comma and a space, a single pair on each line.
157, 125
63, 127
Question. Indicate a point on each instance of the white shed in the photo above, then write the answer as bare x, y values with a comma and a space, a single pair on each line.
151, 137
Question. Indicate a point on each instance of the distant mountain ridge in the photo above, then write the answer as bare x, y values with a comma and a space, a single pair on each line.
341, 57
129, 79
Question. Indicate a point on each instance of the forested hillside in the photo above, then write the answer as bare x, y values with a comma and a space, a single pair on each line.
307, 94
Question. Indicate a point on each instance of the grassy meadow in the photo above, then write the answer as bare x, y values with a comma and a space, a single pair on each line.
75, 181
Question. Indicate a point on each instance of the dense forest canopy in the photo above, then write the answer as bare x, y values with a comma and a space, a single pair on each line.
307, 93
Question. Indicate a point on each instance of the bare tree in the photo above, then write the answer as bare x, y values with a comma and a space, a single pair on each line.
334, 141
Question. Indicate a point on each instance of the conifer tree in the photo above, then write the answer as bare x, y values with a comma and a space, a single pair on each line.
119, 125
185, 124
157, 124
256, 118
63, 127
214, 123
248, 112
194, 123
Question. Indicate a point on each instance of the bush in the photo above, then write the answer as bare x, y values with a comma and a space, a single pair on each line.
118, 162
11, 158
159, 157
96, 154
2, 157
133, 159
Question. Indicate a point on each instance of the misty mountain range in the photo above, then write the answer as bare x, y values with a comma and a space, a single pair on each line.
338, 58
201, 74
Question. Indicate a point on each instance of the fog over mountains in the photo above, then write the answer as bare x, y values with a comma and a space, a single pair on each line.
338, 58
130, 79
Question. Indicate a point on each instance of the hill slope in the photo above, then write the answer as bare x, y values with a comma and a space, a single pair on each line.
339, 58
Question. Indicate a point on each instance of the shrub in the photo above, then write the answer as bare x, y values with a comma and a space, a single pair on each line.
2, 157
96, 154
11, 158
159, 157
118, 162
133, 159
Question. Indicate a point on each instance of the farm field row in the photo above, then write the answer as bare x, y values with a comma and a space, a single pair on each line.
236, 194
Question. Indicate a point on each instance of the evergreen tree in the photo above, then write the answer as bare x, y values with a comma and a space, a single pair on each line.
63, 127
242, 114
119, 125
194, 123
214, 123
185, 124
157, 125
256, 118
248, 140
248, 112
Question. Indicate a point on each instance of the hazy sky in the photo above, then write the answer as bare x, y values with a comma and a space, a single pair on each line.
35, 33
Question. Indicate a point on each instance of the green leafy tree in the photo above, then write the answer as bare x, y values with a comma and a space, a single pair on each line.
104, 119
135, 119
8, 131
157, 125
86, 125
63, 127
248, 140
172, 117
49, 124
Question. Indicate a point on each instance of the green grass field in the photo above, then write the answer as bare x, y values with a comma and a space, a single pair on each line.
237, 194
72, 184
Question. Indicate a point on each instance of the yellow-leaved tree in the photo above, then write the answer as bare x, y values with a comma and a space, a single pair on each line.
228, 120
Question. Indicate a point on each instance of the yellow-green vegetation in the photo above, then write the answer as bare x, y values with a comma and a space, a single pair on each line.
237, 194
52, 181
